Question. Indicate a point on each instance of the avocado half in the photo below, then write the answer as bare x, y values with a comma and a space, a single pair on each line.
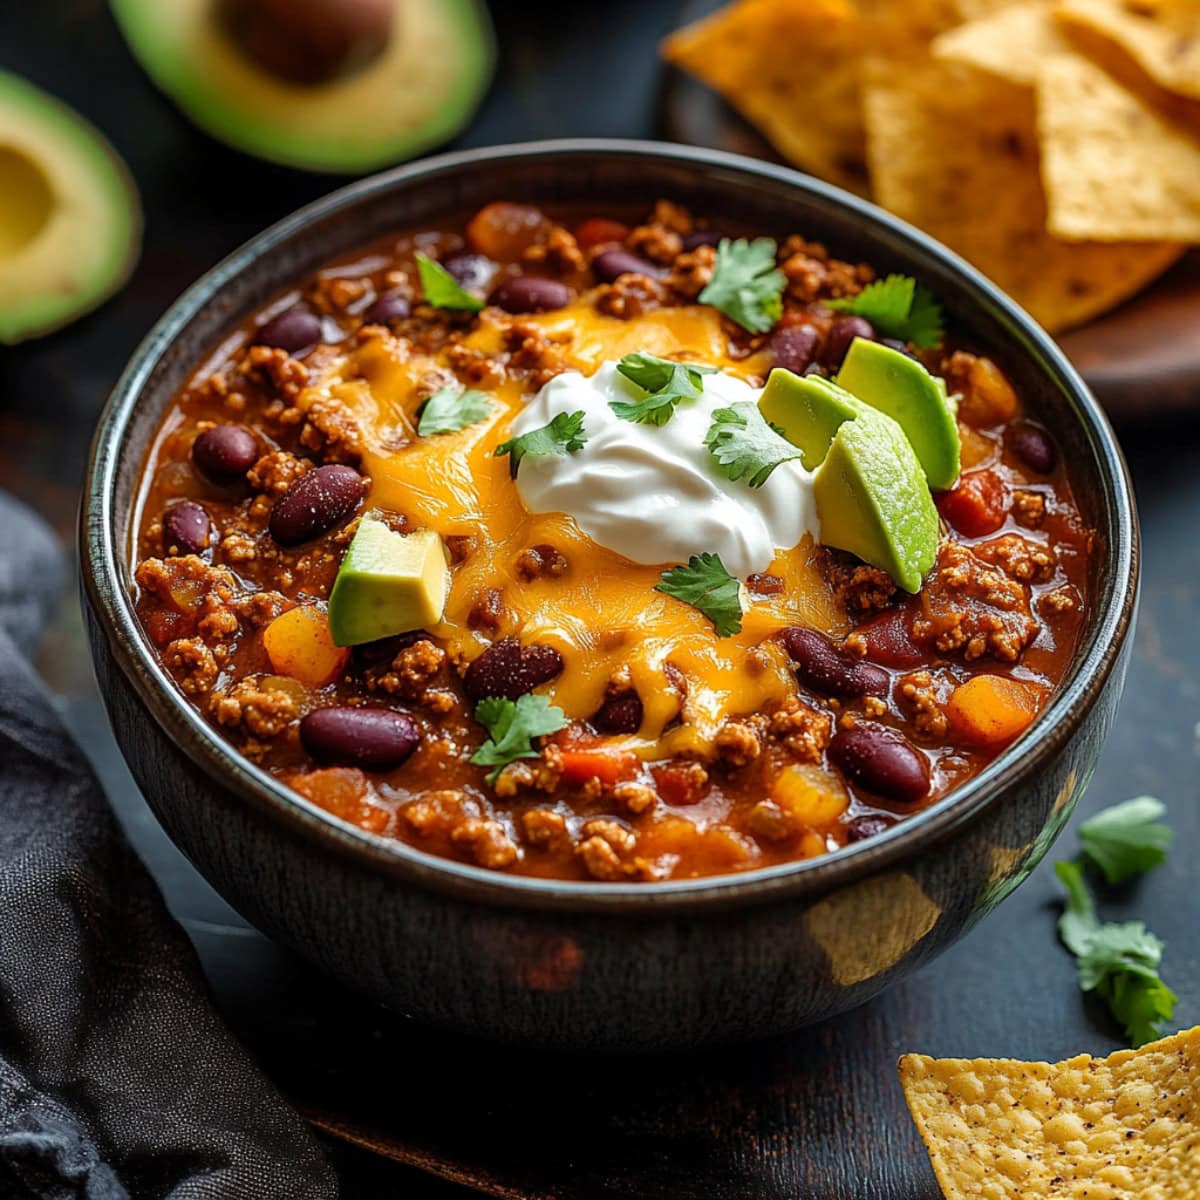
421, 90
70, 222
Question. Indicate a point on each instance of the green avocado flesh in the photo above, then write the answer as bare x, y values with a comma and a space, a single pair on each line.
70, 223
419, 92
869, 486
916, 400
388, 583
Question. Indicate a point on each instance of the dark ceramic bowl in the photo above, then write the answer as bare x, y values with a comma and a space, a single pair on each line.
589, 965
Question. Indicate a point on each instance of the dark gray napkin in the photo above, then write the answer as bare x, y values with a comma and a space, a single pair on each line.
117, 1078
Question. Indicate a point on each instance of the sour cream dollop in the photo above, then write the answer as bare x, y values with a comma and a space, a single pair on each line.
654, 493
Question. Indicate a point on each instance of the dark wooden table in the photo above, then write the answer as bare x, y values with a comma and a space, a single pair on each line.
818, 1116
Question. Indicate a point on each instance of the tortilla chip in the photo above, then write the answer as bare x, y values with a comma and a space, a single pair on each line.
1011, 42
790, 67
1126, 1127
1113, 168
954, 151
1161, 36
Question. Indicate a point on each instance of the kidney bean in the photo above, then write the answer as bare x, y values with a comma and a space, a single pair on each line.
610, 265
390, 306
701, 237
374, 738
882, 761
1034, 448
889, 641
225, 453
508, 669
316, 502
295, 330
843, 332
619, 714
471, 270
897, 344
794, 347
821, 667
867, 825
530, 293
185, 528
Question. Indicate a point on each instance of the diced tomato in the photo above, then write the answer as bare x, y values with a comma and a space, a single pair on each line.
679, 784
504, 231
889, 641
976, 505
599, 231
609, 766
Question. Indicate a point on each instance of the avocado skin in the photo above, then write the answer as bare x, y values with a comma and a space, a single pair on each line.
901, 387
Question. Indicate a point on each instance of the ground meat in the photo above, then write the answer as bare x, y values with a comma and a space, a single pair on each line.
261, 711
488, 609
1019, 558
192, 664
768, 821
1029, 508
691, 273
439, 813
286, 375
972, 606
534, 562
737, 743
858, 588
540, 774
475, 367
335, 294
260, 608
531, 349
411, 671
803, 730
487, 841
331, 430
542, 826
630, 296
604, 844
559, 251
185, 583
461, 546
218, 626
765, 585
655, 242
917, 696
239, 547
672, 216
1063, 599
635, 797
276, 471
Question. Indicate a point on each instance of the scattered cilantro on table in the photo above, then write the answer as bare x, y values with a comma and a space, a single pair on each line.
746, 284
897, 308
442, 290
665, 383
706, 585
449, 410
746, 444
1118, 961
563, 435
512, 725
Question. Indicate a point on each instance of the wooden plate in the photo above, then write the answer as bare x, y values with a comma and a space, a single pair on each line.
1142, 358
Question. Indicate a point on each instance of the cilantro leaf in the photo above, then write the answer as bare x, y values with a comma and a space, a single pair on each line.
563, 435
1117, 961
897, 308
512, 726
746, 285
442, 290
746, 444
448, 410
1127, 838
706, 585
665, 383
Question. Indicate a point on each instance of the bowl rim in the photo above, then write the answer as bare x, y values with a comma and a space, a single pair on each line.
100, 556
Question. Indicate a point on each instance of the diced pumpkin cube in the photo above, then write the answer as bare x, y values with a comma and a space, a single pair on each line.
991, 710
809, 796
299, 644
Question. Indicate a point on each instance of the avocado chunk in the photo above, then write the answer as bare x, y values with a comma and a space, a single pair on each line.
916, 400
70, 222
388, 583
808, 409
872, 499
347, 100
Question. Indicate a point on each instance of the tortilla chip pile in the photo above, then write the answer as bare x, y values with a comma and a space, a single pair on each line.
1053, 143
1126, 1127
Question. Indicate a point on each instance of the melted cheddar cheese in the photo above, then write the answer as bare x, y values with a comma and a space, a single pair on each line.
603, 615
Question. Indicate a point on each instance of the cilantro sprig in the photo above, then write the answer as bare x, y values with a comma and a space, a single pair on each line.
442, 290
706, 585
563, 435
449, 410
1127, 838
665, 383
746, 444
897, 308
512, 725
1119, 962
746, 284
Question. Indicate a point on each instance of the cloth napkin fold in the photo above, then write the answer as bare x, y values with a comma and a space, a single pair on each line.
117, 1078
